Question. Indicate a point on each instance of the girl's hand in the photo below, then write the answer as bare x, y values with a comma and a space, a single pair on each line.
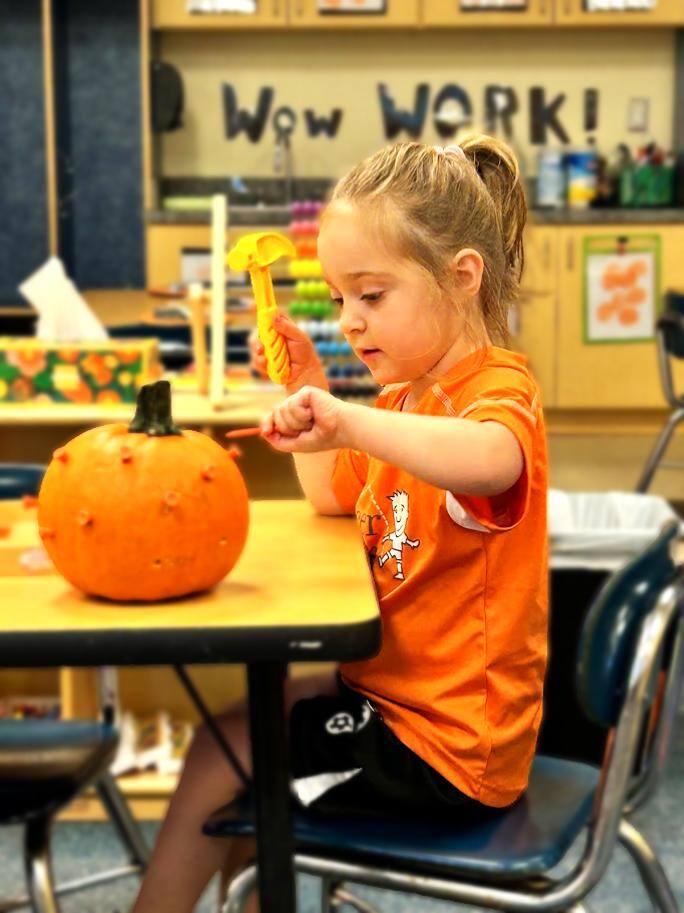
308, 421
305, 365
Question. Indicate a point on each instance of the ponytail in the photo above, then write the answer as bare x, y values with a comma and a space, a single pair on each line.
498, 168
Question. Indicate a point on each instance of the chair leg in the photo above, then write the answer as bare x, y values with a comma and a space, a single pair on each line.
239, 890
38, 866
122, 819
658, 450
652, 873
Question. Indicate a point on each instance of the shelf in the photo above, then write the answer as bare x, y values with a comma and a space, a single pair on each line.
146, 793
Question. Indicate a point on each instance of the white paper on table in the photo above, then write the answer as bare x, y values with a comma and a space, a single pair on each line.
63, 314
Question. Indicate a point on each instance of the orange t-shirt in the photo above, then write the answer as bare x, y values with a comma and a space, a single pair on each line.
462, 585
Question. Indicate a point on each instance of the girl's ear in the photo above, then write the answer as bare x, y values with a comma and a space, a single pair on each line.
467, 268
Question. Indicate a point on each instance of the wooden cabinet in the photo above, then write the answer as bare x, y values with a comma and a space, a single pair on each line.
535, 314
448, 13
666, 12
165, 244
173, 14
398, 13
608, 375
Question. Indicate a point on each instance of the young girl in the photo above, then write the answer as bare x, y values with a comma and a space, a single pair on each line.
422, 249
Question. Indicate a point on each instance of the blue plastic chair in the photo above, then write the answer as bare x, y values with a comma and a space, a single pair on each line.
19, 479
44, 764
628, 676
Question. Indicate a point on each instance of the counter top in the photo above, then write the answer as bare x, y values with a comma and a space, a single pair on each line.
282, 215
241, 409
237, 215
606, 216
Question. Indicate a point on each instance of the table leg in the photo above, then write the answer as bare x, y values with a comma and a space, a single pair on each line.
270, 758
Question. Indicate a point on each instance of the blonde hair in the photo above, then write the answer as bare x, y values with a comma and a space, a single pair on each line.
469, 195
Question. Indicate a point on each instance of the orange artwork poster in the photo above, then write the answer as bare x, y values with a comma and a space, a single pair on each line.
621, 288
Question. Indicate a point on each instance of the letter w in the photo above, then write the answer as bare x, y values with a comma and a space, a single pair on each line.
235, 119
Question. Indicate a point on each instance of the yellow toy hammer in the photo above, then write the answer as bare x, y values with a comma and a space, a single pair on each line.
255, 253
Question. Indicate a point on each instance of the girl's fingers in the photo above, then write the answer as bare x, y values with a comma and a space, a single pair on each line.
289, 328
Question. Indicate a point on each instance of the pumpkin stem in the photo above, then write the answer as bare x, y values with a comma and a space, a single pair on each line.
153, 411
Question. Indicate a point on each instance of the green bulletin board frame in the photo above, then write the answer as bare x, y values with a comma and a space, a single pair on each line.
616, 244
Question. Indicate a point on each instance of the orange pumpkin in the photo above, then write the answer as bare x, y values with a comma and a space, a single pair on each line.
143, 512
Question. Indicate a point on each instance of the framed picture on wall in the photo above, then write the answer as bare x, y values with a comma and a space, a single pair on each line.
621, 284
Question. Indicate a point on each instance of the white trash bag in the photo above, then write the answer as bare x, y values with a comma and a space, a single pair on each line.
602, 530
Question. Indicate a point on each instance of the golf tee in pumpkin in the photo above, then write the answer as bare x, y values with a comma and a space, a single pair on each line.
255, 253
145, 511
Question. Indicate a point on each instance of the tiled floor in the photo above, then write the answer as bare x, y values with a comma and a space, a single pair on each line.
84, 848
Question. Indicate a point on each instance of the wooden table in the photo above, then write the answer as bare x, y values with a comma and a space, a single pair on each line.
301, 591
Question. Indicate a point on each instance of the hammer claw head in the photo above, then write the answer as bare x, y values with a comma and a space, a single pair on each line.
258, 249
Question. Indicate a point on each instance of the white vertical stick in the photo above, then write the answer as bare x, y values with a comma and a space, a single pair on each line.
219, 207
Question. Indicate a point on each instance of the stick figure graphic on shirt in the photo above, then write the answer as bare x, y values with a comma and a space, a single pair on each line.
398, 538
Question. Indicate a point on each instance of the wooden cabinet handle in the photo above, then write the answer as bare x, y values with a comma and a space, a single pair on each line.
547, 254
570, 254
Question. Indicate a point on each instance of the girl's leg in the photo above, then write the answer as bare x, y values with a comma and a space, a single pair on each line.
184, 860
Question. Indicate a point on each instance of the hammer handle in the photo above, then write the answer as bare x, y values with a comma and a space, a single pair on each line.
275, 347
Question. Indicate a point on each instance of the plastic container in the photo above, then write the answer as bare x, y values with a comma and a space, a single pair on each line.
551, 179
602, 530
582, 174
591, 534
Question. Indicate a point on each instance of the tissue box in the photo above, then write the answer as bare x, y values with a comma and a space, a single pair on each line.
83, 372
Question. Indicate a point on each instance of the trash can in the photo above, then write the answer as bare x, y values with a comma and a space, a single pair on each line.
591, 534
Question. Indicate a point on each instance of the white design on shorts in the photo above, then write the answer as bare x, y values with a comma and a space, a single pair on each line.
308, 789
343, 722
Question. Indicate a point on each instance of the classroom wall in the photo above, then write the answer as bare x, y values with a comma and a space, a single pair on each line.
328, 70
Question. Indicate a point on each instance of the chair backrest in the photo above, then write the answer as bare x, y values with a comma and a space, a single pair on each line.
18, 479
612, 628
671, 324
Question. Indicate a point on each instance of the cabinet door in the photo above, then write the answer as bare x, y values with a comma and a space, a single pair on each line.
617, 375
173, 14
451, 13
535, 313
666, 12
401, 13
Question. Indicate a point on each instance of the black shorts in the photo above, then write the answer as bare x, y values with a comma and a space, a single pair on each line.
346, 760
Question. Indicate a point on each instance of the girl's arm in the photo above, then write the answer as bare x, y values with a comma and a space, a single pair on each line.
454, 454
458, 455
315, 471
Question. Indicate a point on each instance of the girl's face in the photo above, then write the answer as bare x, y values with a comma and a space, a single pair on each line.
393, 317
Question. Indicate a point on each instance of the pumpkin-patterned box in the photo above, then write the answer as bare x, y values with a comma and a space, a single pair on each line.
111, 371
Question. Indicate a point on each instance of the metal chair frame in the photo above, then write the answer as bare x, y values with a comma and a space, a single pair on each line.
672, 322
619, 792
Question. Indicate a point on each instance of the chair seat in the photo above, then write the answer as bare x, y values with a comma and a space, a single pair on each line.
526, 840
44, 763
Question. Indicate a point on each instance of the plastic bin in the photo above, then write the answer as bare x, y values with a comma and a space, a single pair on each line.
591, 534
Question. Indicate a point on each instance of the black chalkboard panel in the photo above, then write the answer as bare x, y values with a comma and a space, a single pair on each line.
23, 197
